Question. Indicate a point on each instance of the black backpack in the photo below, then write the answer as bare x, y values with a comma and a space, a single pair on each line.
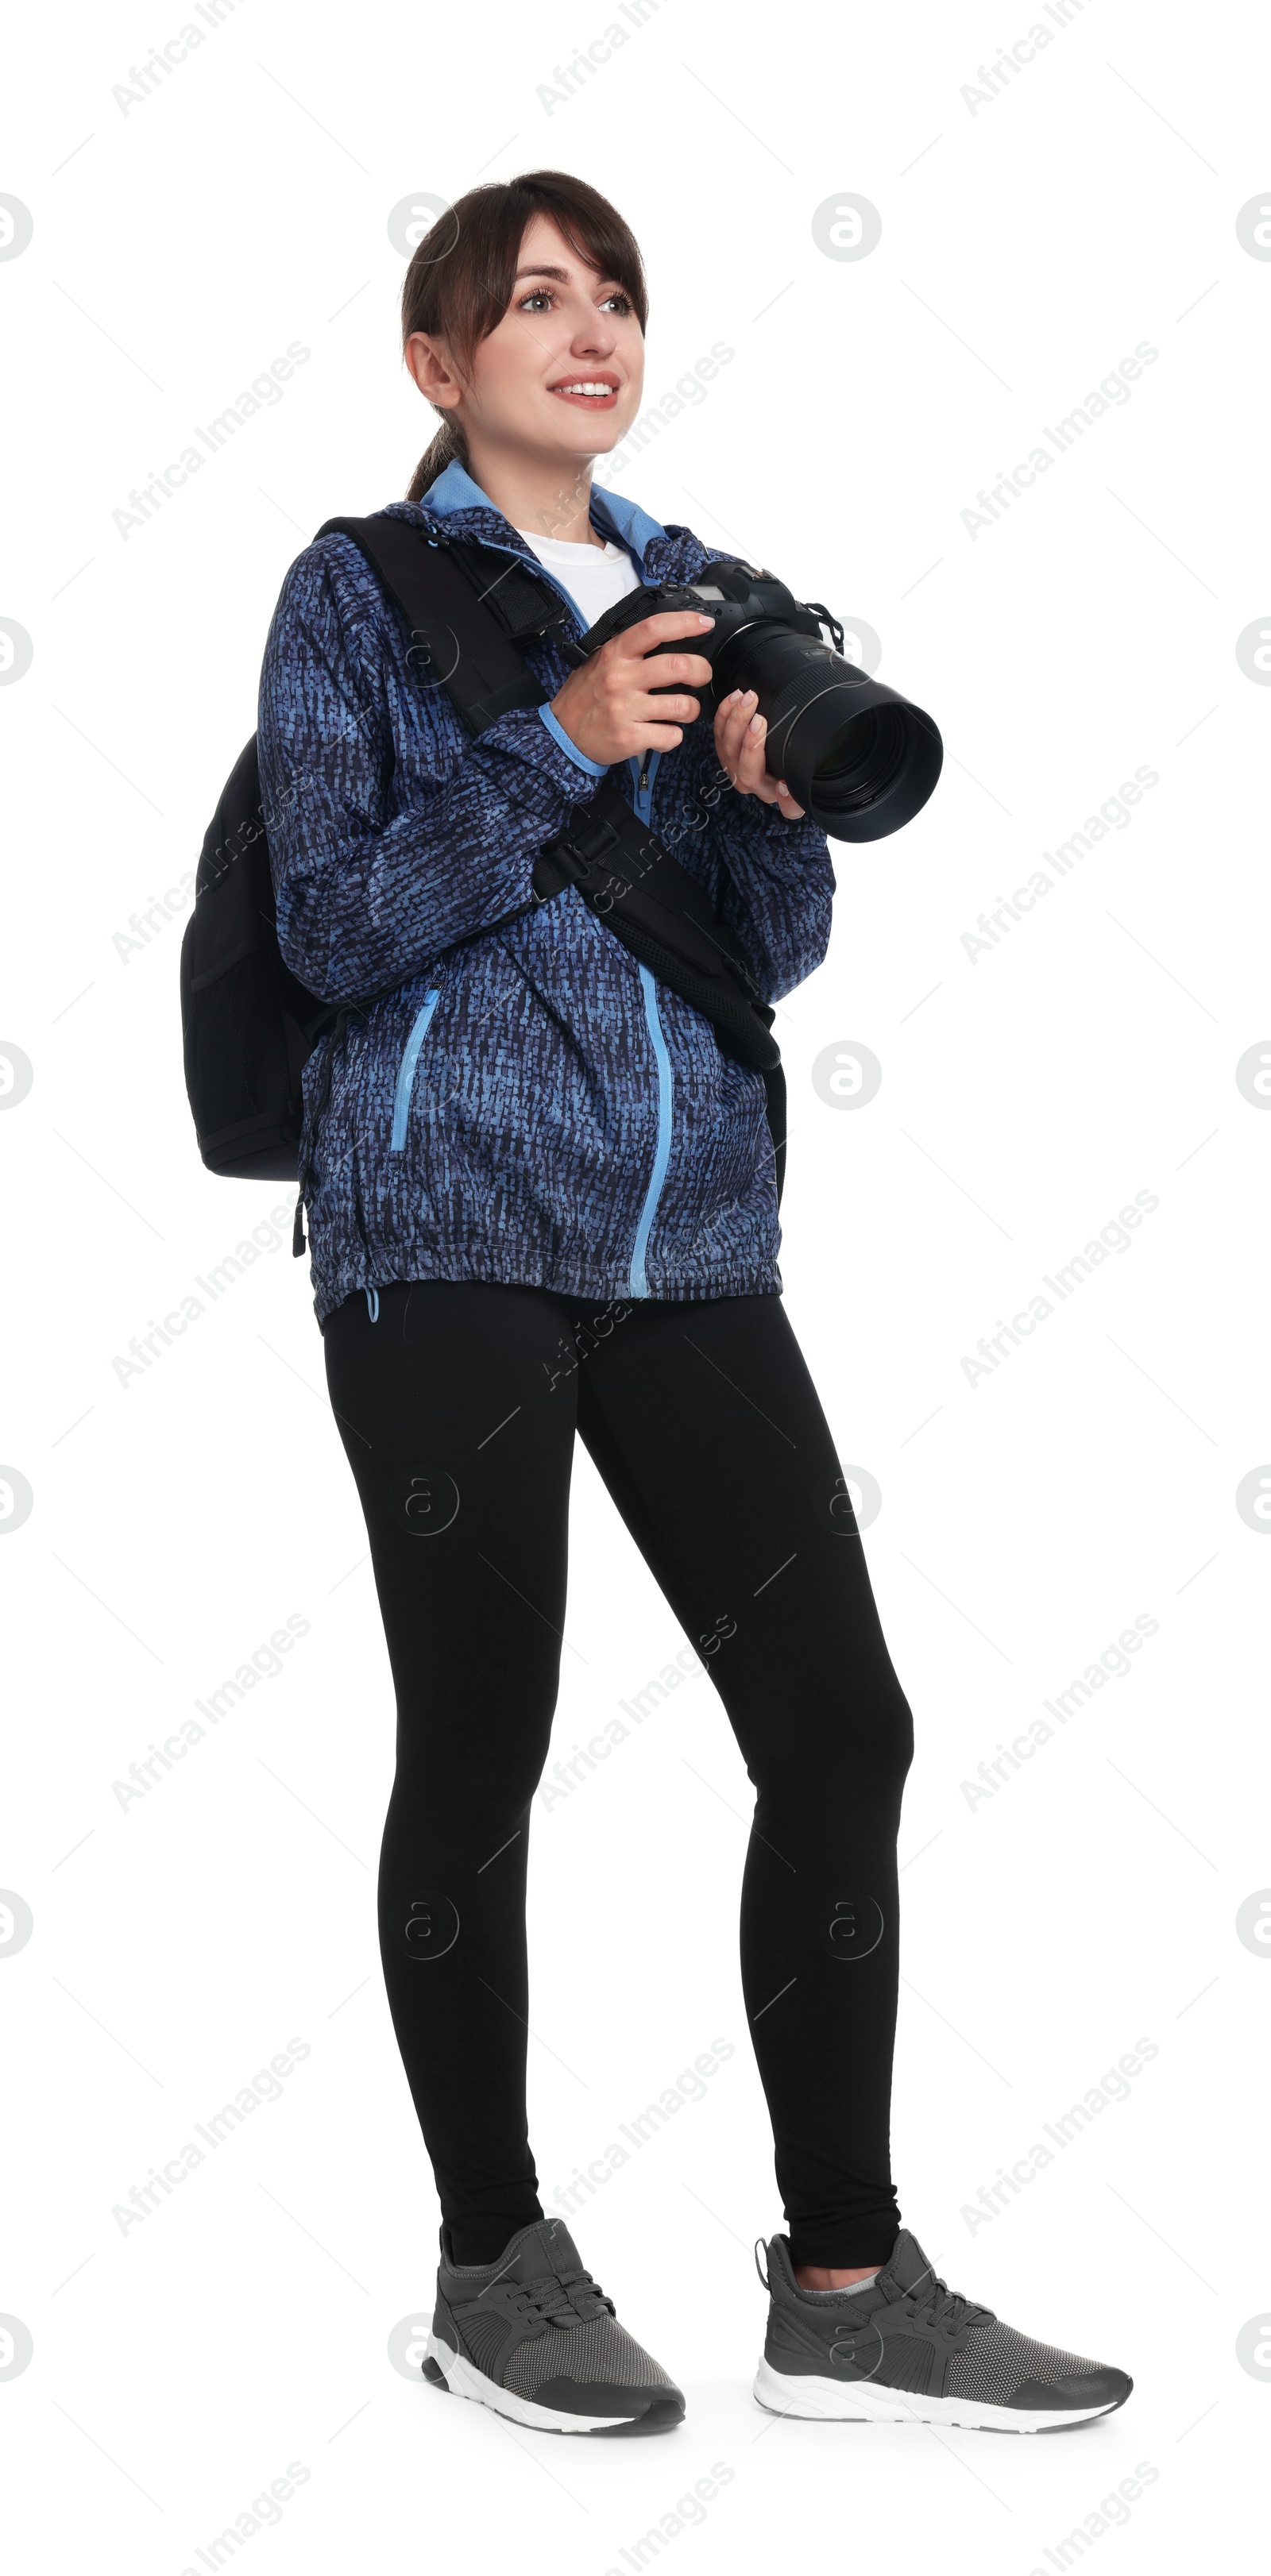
249, 1025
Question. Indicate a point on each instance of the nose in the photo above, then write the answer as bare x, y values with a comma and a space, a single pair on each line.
595, 336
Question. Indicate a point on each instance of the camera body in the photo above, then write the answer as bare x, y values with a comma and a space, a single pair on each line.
736, 597
858, 757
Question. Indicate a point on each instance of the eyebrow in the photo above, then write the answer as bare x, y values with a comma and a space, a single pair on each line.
561, 276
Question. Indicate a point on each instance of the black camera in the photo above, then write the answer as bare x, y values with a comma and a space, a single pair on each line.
859, 758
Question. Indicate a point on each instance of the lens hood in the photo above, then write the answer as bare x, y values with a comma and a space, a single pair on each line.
859, 757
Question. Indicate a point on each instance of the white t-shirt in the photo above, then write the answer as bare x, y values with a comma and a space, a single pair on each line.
594, 576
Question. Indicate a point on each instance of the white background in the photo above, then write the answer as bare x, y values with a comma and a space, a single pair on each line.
178, 1519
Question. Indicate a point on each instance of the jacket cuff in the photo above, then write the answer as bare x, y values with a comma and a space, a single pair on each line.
594, 768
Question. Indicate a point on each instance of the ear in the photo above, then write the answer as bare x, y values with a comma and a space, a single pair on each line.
432, 371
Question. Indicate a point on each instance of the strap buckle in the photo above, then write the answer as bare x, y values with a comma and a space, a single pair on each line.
593, 839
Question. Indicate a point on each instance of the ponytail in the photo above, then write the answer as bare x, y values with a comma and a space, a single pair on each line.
445, 449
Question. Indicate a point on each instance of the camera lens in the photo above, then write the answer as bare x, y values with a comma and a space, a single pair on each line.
858, 757
862, 762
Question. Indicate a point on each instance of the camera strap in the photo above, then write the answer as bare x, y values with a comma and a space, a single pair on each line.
632, 883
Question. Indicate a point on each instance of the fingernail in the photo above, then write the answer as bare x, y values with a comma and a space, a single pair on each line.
755, 725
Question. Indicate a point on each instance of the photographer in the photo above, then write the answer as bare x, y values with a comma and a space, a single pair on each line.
529, 1128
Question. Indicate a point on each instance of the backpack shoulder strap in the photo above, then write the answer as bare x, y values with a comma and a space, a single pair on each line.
466, 608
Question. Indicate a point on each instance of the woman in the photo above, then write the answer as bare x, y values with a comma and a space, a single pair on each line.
542, 1202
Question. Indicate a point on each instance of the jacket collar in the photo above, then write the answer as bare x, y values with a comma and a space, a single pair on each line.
623, 522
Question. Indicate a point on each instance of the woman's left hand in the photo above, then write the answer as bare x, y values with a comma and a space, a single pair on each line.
740, 740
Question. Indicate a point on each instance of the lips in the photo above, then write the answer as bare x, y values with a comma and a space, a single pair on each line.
592, 389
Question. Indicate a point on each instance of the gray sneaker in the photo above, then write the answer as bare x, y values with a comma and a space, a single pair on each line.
908, 2350
534, 2337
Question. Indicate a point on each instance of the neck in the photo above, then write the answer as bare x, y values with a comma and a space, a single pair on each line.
550, 496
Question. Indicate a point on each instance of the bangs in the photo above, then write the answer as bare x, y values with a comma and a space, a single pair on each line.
462, 274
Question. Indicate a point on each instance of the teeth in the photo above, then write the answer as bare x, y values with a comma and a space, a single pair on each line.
584, 389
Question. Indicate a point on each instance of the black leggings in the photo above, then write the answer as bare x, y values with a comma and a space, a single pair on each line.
458, 1409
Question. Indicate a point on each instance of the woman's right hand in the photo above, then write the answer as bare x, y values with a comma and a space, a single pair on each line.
608, 706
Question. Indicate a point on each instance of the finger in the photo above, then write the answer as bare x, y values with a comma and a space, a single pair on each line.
683, 666
732, 723
731, 730
734, 716
658, 737
658, 706
668, 627
752, 759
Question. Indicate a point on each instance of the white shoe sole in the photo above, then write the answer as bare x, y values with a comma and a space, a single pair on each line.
862, 2402
463, 2379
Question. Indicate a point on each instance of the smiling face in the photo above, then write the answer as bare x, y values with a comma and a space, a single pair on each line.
559, 377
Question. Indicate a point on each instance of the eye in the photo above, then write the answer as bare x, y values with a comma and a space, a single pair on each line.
537, 301
620, 301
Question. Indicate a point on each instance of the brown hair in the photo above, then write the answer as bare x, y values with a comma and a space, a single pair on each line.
459, 283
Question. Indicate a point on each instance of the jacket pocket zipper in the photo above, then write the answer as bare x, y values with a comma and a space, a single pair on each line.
406, 1071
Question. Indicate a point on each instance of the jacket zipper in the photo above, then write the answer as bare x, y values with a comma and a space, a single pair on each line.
638, 1285
643, 770
643, 767
406, 1071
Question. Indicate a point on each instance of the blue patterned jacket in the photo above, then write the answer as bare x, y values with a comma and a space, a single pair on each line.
530, 1107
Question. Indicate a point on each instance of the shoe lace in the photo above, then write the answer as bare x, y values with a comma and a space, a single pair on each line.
935, 2304
556, 2298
